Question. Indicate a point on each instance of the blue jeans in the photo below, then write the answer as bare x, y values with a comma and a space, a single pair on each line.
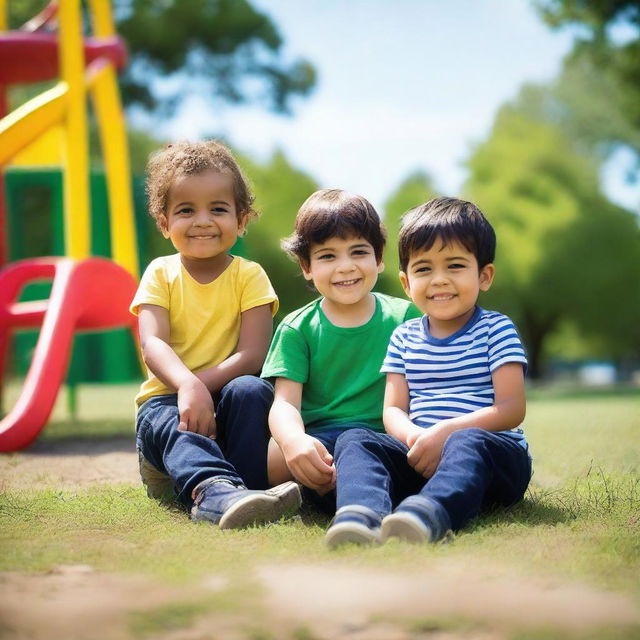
478, 470
333, 439
239, 453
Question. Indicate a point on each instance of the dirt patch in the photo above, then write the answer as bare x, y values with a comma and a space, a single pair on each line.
319, 601
75, 602
337, 600
69, 464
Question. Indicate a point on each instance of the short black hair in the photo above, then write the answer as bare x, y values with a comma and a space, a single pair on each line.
448, 220
333, 213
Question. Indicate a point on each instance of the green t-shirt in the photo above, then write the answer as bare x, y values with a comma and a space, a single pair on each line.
339, 367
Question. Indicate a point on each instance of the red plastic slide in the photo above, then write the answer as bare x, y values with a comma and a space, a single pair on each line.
33, 57
90, 294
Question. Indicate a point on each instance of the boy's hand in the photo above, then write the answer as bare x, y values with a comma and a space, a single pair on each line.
413, 435
426, 450
310, 463
195, 405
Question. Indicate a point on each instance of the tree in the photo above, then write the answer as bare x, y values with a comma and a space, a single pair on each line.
216, 48
599, 87
565, 254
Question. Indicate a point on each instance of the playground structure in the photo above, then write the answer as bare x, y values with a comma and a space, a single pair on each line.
87, 293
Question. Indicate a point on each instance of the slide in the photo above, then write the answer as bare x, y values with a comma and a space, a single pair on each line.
86, 295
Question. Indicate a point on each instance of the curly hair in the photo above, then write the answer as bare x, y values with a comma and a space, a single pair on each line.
191, 158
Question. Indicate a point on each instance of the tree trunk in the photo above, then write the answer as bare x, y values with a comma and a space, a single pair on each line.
534, 333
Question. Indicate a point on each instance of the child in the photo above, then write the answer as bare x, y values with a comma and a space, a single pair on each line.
325, 357
454, 392
205, 321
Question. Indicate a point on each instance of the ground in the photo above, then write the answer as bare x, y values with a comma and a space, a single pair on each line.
355, 603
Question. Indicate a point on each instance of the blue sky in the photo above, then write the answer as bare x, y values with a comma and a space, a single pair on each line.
403, 85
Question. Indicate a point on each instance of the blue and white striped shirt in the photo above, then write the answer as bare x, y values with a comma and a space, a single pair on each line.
452, 376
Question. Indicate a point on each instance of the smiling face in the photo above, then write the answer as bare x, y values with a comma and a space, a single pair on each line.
444, 282
201, 218
343, 270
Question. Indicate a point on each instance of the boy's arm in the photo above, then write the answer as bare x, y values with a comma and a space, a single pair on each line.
307, 458
256, 326
507, 412
194, 400
395, 414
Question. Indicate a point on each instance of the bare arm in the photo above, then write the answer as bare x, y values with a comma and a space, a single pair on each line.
256, 325
395, 414
507, 412
307, 458
194, 400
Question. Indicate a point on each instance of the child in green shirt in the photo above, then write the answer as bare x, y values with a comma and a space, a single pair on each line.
326, 356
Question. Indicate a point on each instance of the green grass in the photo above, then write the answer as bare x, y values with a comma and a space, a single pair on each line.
580, 521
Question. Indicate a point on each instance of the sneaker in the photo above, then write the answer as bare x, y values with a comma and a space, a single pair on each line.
406, 526
416, 520
353, 524
235, 507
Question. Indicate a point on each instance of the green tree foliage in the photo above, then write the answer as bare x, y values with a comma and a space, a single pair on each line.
413, 191
586, 101
280, 189
216, 48
565, 254
605, 62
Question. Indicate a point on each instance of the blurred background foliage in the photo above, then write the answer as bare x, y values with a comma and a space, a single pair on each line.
568, 259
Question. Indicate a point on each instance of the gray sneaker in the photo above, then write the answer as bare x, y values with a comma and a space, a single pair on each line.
353, 524
235, 507
417, 519
405, 526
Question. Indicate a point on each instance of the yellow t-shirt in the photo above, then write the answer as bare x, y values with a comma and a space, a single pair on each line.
204, 318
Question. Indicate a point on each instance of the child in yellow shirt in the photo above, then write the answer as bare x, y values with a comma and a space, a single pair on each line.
205, 321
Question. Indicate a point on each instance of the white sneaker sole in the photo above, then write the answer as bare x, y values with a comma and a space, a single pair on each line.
405, 526
351, 533
260, 508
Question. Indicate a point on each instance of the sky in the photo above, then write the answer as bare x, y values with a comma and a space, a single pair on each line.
403, 85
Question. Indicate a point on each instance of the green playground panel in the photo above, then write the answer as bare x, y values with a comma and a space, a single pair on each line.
35, 228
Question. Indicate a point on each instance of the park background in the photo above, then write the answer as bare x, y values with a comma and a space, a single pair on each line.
528, 108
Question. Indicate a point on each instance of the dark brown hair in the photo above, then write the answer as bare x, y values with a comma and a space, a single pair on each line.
448, 220
333, 213
192, 158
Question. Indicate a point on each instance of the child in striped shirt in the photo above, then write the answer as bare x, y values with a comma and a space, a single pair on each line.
454, 395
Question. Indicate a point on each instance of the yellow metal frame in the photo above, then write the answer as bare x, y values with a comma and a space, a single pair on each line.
66, 105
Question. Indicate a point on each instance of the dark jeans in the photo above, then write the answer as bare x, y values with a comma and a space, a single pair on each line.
332, 439
478, 470
239, 453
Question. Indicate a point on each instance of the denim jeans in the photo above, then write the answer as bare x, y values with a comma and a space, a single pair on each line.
332, 439
184, 459
478, 470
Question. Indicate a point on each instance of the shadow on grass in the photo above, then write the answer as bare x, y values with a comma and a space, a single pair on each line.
69, 438
311, 516
81, 445
534, 510
87, 430
598, 496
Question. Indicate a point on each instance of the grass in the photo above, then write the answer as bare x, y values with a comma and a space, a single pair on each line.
579, 523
